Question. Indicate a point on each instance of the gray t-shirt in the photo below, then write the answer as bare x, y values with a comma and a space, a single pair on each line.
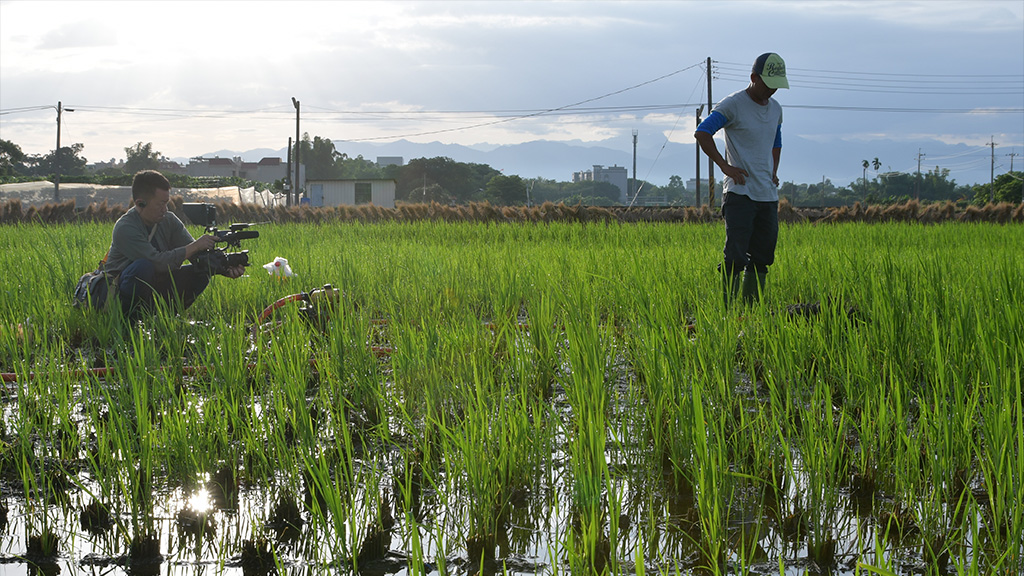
750, 131
163, 245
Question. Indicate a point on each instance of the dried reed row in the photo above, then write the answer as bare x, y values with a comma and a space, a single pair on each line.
912, 211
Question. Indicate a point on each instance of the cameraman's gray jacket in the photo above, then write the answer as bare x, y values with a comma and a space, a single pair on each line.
163, 245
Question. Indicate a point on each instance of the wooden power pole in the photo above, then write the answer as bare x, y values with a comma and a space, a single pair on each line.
634, 188
288, 177
295, 184
992, 173
711, 163
697, 202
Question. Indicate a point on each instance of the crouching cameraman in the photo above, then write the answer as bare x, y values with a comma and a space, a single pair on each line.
148, 248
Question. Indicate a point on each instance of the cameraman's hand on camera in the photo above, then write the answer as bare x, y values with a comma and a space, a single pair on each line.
234, 271
201, 244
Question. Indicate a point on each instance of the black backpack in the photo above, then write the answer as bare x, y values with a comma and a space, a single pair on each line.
92, 288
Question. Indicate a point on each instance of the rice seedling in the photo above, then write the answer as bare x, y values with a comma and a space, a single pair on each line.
656, 356
573, 394
1000, 460
586, 433
710, 485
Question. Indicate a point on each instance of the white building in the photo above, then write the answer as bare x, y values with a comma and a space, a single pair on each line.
380, 193
390, 161
616, 175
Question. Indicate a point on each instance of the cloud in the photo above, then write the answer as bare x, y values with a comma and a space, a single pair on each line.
976, 17
213, 75
78, 35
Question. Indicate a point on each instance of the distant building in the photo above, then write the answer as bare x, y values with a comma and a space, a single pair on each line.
267, 170
616, 175
383, 161
113, 165
164, 166
351, 192
691, 186
215, 167
171, 167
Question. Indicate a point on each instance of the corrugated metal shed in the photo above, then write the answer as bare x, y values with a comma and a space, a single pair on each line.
351, 192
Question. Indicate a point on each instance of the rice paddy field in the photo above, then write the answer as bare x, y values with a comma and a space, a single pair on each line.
522, 399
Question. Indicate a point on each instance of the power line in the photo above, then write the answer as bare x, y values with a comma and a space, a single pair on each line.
172, 112
668, 137
24, 109
960, 155
512, 114
1016, 84
967, 77
282, 109
568, 108
824, 80
909, 110
974, 90
531, 115
892, 83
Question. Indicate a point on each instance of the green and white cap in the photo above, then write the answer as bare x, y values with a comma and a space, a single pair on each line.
772, 69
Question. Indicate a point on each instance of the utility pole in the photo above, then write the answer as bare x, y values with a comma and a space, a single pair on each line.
917, 181
288, 177
633, 188
697, 203
1011, 155
711, 163
295, 185
992, 174
56, 178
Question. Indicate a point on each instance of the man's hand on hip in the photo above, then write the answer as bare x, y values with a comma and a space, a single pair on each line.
738, 175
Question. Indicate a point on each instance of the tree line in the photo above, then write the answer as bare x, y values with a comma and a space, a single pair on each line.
444, 181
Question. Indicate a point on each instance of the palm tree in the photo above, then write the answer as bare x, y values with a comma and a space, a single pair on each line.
876, 164
864, 178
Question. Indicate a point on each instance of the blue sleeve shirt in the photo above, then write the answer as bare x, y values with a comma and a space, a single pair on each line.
716, 121
752, 132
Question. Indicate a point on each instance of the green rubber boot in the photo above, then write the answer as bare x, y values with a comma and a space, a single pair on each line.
753, 286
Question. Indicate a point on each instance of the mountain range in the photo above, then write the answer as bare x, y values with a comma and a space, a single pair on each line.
803, 161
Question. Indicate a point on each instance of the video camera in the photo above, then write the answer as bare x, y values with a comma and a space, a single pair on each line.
218, 260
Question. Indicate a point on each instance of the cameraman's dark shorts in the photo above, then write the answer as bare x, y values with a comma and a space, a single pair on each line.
751, 233
140, 283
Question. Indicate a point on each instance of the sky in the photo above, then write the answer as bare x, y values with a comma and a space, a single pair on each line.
940, 80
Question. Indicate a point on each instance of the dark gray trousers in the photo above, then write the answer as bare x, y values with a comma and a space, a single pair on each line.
751, 233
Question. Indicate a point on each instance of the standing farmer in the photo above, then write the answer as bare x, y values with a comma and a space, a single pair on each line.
752, 121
